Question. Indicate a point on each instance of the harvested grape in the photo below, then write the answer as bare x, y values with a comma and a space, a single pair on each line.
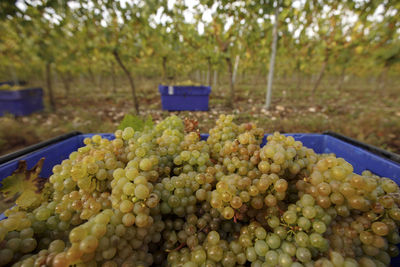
165, 197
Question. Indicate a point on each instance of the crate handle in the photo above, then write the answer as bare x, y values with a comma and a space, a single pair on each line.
170, 90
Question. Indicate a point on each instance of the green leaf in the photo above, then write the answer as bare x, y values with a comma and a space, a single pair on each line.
136, 123
148, 123
25, 186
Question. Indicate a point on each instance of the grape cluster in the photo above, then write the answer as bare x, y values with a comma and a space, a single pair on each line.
164, 197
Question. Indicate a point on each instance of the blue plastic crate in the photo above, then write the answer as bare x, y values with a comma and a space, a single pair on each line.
53, 154
360, 159
175, 98
21, 102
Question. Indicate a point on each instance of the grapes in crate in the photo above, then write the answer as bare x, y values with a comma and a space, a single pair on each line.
161, 196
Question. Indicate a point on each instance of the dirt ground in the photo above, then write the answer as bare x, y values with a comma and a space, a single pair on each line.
359, 110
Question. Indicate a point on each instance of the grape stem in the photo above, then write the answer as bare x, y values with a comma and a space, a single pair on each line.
201, 229
281, 212
379, 217
177, 248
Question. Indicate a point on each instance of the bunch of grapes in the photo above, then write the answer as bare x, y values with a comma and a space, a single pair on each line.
164, 197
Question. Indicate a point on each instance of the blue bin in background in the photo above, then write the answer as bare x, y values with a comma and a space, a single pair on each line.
360, 158
177, 98
21, 102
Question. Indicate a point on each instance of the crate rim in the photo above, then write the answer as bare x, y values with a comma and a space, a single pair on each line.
36, 147
392, 157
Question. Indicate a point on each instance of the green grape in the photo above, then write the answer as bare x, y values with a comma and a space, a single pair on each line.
14, 244
316, 240
26, 233
185, 155
289, 248
6, 256
273, 222
296, 264
380, 228
309, 212
77, 234
319, 227
251, 254
28, 245
350, 263
245, 240
89, 244
145, 164
98, 230
128, 189
142, 191
260, 233
281, 185
304, 223
264, 166
213, 238
190, 264
127, 133
384, 257
285, 260
215, 253
302, 239
261, 247
303, 254
389, 185
126, 206
57, 246
142, 220
228, 213
271, 258
307, 200
281, 232
229, 259
273, 241
336, 258
119, 173
290, 217
42, 214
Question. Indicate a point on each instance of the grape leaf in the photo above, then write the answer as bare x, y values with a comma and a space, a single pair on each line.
7, 202
135, 122
29, 188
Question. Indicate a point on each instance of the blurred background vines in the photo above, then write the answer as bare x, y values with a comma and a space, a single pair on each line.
336, 65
